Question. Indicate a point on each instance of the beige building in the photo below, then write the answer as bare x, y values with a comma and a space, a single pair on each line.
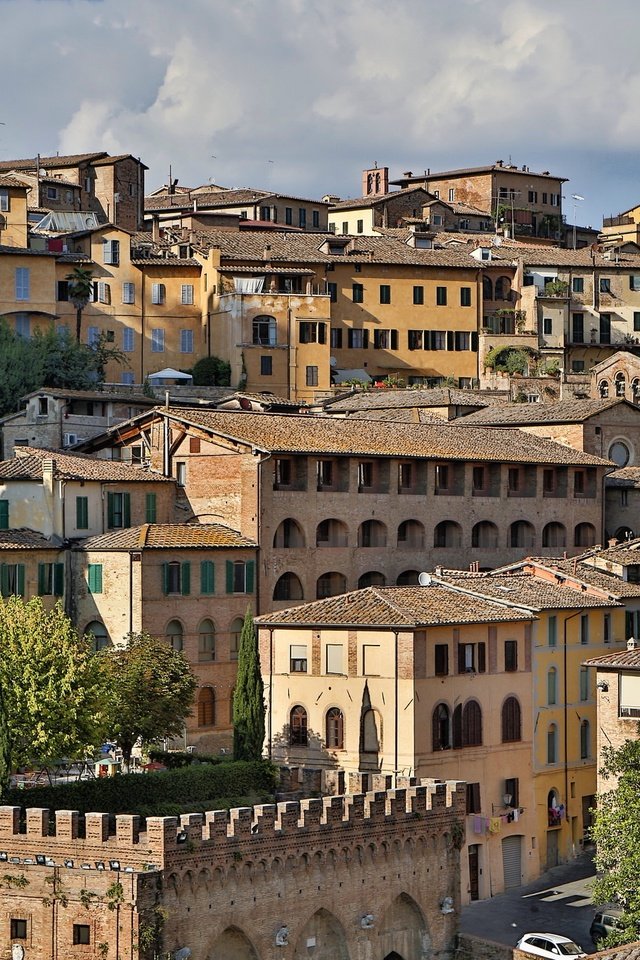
335, 504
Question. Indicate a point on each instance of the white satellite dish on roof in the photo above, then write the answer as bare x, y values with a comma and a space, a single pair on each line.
424, 579
333, 362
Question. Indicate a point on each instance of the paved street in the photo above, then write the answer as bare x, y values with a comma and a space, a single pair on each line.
559, 902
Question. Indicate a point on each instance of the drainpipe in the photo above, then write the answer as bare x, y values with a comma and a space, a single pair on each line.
270, 716
566, 732
395, 707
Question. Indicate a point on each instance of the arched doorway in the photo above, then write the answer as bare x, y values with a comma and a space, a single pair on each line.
403, 931
328, 938
233, 943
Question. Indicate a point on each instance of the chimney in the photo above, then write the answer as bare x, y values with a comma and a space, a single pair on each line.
612, 542
47, 476
632, 644
266, 253
155, 228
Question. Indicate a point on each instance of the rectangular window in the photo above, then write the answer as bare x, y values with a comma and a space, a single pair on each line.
418, 296
186, 293
636, 320
282, 473
128, 292
334, 658
112, 252
302, 217
577, 284
315, 218
405, 476
345, 226
157, 341
359, 226
634, 282
547, 326
442, 476
357, 293
358, 339
240, 576
150, 508
552, 631
312, 376
118, 510
605, 328
207, 577
371, 665
548, 480
81, 934
23, 325
325, 473
332, 290
288, 216
584, 629
578, 327
82, 513
311, 332
365, 474
584, 683
533, 196
441, 659
104, 292
23, 283
452, 194
607, 628
18, 929
298, 658
94, 577
62, 292
512, 789
441, 296
335, 338
266, 366
128, 340
93, 336
510, 655
50, 579
127, 377
465, 296
186, 341
605, 285
158, 293
414, 339
12, 579
473, 798
472, 658
181, 474
461, 341
4, 200
385, 293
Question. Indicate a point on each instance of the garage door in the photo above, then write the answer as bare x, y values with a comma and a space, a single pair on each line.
512, 861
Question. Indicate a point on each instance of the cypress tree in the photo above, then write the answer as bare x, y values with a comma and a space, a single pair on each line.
248, 699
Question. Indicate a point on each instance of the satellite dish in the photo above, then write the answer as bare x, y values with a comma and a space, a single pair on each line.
424, 579
332, 361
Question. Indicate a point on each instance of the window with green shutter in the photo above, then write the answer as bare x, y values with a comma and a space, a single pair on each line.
118, 510
207, 578
186, 579
94, 577
82, 513
50, 579
58, 579
12, 579
240, 576
4, 514
150, 507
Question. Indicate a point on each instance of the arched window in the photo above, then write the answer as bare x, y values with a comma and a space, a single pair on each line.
521, 534
620, 384
585, 740
471, 724
624, 533
411, 534
552, 744
288, 587
635, 387
372, 533
503, 289
264, 330
603, 389
484, 535
331, 584
408, 578
235, 631
371, 733
511, 721
487, 288
334, 738
332, 533
206, 707
288, 535
554, 535
441, 727
206, 640
372, 579
447, 534
298, 736
585, 535
98, 634
175, 634
552, 686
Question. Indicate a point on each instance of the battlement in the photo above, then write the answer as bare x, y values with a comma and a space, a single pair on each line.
217, 834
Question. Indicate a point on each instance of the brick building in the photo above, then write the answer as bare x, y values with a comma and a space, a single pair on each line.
246, 884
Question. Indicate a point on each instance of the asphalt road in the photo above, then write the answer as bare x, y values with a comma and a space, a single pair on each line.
558, 902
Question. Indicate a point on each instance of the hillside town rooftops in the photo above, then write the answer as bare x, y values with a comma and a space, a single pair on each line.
168, 536
387, 399
522, 414
372, 201
527, 589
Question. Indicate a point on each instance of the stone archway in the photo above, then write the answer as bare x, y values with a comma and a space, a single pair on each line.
233, 945
403, 932
325, 934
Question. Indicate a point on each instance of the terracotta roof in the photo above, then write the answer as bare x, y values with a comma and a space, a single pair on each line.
525, 589
627, 659
25, 539
562, 411
593, 576
397, 606
380, 399
560, 257
169, 536
301, 433
9, 181
69, 160
132, 398
27, 464
465, 171
373, 201
399, 415
239, 196
624, 477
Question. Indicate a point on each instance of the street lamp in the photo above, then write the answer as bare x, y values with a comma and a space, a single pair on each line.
575, 197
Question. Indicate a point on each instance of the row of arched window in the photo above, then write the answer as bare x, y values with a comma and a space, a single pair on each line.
619, 386
206, 707
501, 290
411, 534
175, 634
552, 742
463, 726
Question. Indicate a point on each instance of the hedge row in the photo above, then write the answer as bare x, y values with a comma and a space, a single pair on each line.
186, 790
172, 759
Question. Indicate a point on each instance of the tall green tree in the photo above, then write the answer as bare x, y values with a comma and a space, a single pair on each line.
616, 833
151, 691
5, 751
248, 699
80, 291
52, 687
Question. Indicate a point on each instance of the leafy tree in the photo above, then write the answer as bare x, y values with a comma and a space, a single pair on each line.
211, 372
151, 691
52, 687
5, 751
80, 291
510, 359
248, 698
616, 832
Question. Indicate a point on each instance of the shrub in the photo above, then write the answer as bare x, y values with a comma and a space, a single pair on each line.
211, 372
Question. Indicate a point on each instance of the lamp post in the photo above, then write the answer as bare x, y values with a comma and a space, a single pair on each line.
575, 197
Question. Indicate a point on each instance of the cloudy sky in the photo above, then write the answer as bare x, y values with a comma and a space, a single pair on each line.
301, 95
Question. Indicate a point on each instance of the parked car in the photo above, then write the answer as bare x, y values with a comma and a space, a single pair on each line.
604, 922
549, 945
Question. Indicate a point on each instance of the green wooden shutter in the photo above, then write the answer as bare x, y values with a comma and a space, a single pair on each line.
82, 513
58, 579
4, 514
186, 578
249, 576
207, 577
151, 507
110, 510
126, 509
42, 579
94, 577
165, 578
4, 580
229, 576
20, 579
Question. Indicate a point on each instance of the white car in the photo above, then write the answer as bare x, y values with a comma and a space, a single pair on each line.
549, 945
